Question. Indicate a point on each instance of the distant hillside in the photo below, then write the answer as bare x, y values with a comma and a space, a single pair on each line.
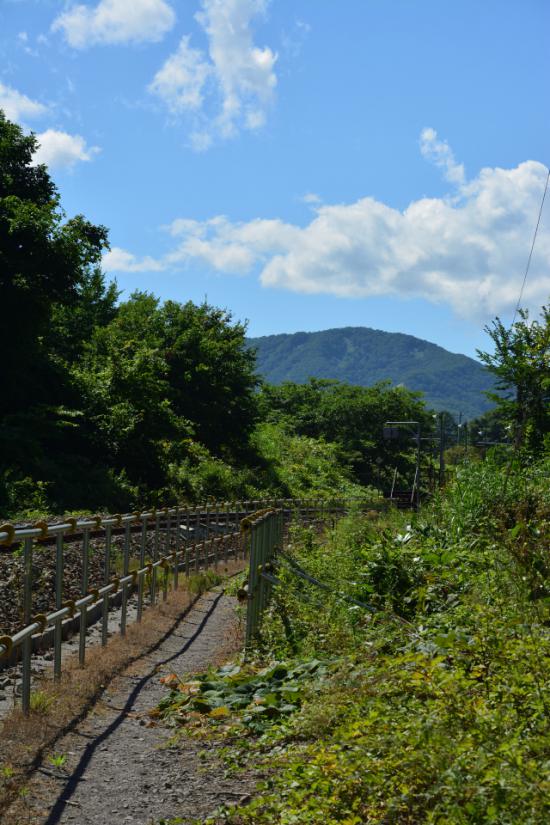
364, 356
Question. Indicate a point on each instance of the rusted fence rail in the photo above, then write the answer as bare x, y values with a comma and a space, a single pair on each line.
152, 548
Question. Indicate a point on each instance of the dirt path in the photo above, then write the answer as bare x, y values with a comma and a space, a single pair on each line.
119, 770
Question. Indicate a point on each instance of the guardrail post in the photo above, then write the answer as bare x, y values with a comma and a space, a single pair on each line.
84, 608
155, 557
141, 580
252, 587
27, 610
125, 569
168, 529
165, 577
227, 538
177, 546
106, 577
263, 540
58, 631
187, 526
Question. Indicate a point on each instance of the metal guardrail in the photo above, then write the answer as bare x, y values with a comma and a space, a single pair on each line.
173, 549
266, 533
265, 539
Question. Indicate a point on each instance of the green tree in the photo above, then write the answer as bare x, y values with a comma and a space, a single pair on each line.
352, 418
44, 261
160, 377
521, 364
47, 265
211, 373
126, 393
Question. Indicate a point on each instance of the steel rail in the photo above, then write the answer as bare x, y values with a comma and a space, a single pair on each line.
73, 528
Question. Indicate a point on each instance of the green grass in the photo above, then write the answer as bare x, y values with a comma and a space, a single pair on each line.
434, 708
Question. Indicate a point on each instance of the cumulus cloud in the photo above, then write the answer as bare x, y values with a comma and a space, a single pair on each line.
440, 153
468, 251
115, 21
18, 106
60, 150
231, 86
118, 260
180, 82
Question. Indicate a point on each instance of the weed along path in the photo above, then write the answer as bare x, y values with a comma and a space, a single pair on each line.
117, 765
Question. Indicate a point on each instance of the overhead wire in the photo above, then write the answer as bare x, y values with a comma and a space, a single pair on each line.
532, 248
518, 305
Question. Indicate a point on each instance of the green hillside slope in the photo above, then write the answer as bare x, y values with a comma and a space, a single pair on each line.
364, 356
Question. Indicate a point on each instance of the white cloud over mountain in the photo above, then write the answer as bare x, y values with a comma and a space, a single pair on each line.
115, 22
18, 106
60, 150
228, 88
468, 250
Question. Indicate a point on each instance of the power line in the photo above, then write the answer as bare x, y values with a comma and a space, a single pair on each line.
532, 247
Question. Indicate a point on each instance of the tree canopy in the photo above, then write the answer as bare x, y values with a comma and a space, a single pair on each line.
521, 364
353, 418
102, 401
45, 262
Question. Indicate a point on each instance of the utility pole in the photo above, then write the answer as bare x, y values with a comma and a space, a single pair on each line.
418, 467
391, 432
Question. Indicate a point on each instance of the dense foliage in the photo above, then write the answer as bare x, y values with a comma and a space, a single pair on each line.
104, 404
362, 356
521, 363
352, 418
431, 709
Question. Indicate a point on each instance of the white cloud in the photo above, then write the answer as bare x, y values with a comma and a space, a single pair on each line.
440, 153
180, 82
118, 260
61, 150
229, 88
468, 251
18, 106
312, 199
115, 21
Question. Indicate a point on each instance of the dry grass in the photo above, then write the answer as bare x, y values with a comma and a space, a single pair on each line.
25, 740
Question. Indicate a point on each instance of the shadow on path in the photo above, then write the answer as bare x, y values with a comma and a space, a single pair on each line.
91, 748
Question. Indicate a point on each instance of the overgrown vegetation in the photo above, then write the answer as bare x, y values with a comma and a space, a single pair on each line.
434, 708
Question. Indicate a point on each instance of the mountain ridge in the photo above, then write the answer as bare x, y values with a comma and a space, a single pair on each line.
364, 356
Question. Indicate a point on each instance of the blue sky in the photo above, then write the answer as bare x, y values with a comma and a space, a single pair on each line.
304, 163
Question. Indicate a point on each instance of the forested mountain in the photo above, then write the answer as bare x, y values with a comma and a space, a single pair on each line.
362, 356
